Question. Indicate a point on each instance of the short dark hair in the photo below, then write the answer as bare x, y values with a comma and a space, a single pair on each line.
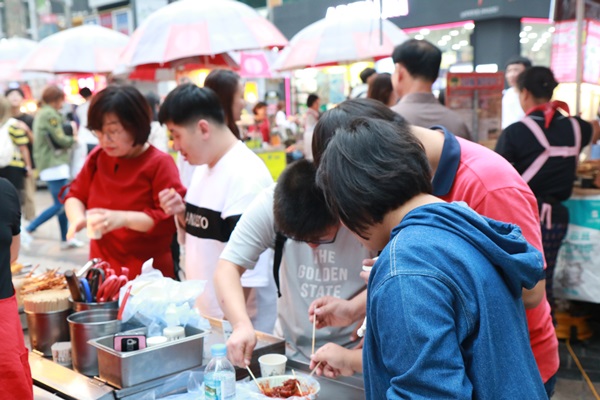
52, 93
369, 169
225, 84
366, 74
85, 93
526, 62
420, 58
154, 103
258, 106
128, 104
299, 205
14, 89
311, 99
188, 103
343, 114
539, 81
381, 88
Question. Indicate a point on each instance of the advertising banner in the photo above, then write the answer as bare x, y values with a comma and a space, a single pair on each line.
477, 97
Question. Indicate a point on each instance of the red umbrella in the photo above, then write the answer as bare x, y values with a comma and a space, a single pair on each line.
199, 32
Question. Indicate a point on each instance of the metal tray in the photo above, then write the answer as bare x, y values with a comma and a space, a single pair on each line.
125, 369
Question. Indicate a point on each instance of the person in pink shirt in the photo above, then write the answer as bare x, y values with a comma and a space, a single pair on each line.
462, 171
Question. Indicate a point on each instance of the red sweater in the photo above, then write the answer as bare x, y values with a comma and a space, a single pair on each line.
130, 184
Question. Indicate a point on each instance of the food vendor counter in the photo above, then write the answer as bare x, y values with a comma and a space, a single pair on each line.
69, 384
577, 273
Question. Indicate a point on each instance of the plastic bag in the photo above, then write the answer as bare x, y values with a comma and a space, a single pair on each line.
156, 301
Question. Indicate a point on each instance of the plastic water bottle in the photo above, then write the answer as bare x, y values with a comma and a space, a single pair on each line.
219, 375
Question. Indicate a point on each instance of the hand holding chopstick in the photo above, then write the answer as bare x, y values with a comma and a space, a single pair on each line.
313, 333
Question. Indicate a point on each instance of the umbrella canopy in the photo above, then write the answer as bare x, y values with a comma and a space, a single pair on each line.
85, 49
333, 41
199, 28
12, 52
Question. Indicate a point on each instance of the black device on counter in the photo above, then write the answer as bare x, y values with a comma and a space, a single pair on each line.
129, 342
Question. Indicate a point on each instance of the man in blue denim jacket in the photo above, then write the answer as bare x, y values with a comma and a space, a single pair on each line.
445, 317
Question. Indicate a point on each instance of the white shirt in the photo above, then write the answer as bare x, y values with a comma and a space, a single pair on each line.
511, 107
215, 200
85, 135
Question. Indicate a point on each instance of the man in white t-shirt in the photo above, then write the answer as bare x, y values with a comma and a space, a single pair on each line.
319, 258
511, 105
227, 178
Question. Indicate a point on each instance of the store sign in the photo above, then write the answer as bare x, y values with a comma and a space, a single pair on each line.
390, 9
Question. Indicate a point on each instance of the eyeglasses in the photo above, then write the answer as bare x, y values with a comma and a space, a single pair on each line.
318, 241
111, 130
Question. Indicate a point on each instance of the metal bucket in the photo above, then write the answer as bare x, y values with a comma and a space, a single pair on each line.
45, 329
86, 325
81, 306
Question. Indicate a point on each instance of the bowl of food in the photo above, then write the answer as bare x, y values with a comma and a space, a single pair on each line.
293, 387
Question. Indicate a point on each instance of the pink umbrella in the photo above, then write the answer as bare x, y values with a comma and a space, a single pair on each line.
85, 49
202, 32
333, 41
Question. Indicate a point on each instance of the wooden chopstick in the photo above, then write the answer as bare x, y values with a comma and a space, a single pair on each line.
297, 383
313, 332
254, 379
314, 369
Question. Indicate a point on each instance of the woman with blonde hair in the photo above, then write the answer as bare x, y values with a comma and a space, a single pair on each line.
20, 165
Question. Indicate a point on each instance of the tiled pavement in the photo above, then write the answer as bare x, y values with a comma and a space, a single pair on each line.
45, 250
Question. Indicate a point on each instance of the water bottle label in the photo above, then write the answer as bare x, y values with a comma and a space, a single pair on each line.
219, 389
212, 391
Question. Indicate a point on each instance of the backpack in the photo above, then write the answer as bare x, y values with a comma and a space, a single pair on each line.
7, 147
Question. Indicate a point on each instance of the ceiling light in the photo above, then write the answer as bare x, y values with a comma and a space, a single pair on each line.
469, 26
456, 47
527, 28
463, 43
454, 33
546, 35
532, 35
523, 34
446, 37
424, 31
419, 37
551, 29
524, 40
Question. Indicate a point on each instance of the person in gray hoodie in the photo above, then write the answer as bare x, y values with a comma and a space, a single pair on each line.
434, 328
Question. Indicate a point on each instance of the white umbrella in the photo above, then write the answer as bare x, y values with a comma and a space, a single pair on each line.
84, 49
12, 53
200, 32
340, 40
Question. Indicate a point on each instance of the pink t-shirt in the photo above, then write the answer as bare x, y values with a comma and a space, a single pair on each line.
484, 180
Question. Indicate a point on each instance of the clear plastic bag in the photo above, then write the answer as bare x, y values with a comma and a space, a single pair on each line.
156, 301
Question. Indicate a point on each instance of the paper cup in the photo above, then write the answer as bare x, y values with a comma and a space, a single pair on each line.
61, 353
91, 233
174, 333
272, 364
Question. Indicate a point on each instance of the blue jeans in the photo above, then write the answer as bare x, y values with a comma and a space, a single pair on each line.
549, 386
55, 209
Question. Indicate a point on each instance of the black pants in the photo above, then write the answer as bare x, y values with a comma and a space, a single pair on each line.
16, 176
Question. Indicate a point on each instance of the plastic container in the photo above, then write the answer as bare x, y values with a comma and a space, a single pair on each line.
45, 329
86, 325
219, 375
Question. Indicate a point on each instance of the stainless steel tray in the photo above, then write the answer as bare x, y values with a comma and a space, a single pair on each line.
125, 369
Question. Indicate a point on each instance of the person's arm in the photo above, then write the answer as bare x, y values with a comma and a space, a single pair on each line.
415, 327
26, 158
54, 128
524, 213
109, 220
230, 294
333, 360
75, 210
15, 246
333, 311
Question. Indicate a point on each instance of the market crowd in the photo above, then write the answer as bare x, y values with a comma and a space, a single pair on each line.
424, 259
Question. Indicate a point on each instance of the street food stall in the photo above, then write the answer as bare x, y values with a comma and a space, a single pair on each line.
88, 348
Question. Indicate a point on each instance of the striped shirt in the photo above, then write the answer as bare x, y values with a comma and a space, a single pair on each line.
19, 138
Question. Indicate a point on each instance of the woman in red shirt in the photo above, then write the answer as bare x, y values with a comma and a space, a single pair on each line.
119, 186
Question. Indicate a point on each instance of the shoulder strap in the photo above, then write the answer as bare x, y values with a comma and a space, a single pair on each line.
279, 242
